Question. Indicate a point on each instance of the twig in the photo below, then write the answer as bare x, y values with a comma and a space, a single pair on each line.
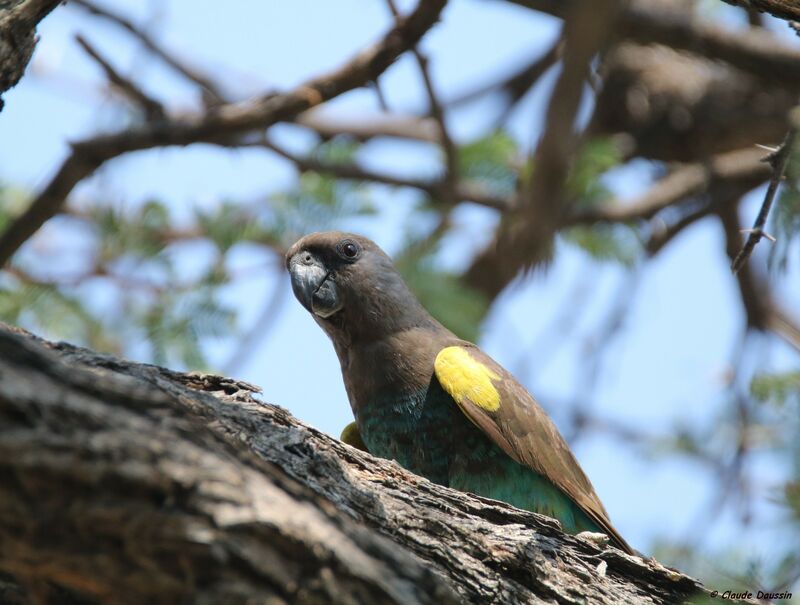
220, 125
445, 140
152, 109
518, 83
779, 160
211, 90
349, 171
382, 103
437, 113
662, 236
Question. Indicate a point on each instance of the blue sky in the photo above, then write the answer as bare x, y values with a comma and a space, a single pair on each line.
666, 367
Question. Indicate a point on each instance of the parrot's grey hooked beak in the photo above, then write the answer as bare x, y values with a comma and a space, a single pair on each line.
313, 285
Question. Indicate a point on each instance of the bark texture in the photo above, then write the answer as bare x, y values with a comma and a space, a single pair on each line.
129, 483
18, 20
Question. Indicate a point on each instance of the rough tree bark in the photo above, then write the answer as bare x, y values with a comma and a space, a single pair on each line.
18, 20
129, 483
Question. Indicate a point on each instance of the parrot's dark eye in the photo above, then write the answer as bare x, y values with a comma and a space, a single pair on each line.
349, 249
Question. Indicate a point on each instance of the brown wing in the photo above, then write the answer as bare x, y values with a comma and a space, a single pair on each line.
519, 426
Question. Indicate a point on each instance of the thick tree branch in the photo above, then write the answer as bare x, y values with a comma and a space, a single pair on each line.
220, 124
782, 9
128, 483
18, 37
752, 50
525, 234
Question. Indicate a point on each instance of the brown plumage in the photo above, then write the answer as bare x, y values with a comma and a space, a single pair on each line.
468, 424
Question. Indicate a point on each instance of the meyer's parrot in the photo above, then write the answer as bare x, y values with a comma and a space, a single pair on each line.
435, 403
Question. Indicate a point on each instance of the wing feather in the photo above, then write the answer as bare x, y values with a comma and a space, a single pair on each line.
518, 425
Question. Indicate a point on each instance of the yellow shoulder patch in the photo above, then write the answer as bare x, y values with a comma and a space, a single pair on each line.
465, 378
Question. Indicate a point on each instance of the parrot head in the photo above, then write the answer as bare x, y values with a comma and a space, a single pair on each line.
350, 286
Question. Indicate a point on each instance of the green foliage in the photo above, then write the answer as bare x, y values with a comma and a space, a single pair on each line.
447, 298
319, 201
177, 323
230, 223
490, 161
457, 306
142, 232
730, 571
139, 253
618, 243
12, 202
785, 215
777, 388
595, 158
48, 309
606, 242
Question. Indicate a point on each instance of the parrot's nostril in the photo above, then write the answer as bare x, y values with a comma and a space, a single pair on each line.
307, 258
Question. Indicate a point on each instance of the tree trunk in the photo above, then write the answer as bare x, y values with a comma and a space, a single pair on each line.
129, 483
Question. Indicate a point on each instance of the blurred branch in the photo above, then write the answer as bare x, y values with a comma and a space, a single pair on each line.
211, 91
450, 179
364, 128
760, 310
219, 125
437, 113
690, 180
469, 192
787, 327
754, 17
754, 298
718, 193
753, 50
382, 103
525, 234
778, 160
517, 84
664, 234
153, 110
18, 38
